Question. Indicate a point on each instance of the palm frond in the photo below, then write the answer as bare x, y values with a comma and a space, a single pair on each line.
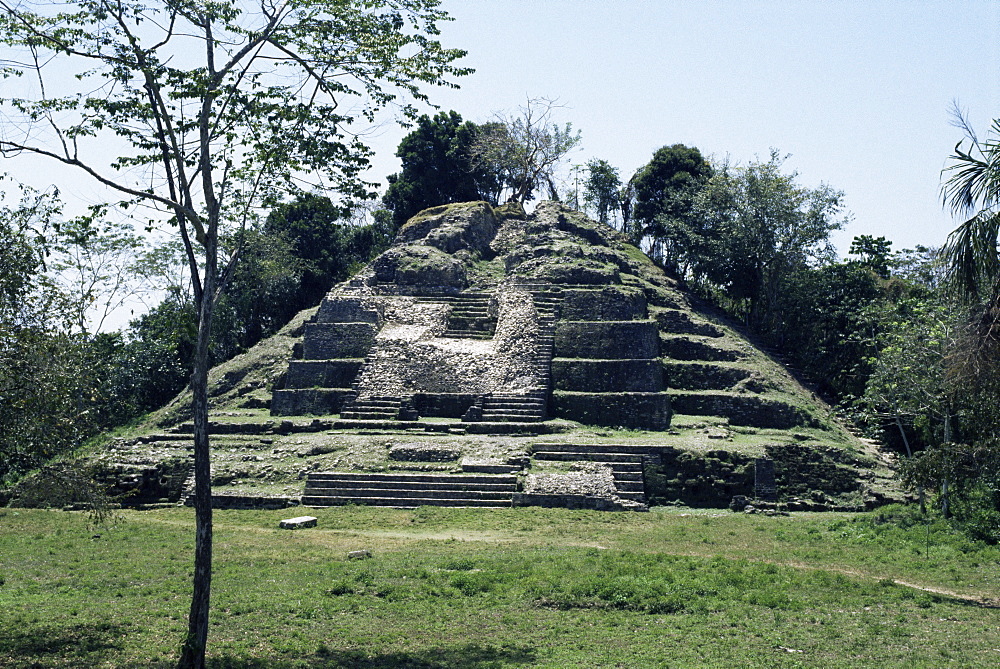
972, 257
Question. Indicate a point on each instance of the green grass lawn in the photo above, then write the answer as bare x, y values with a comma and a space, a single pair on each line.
513, 588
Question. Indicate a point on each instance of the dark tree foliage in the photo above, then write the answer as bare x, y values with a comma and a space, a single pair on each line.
875, 252
328, 247
151, 362
663, 210
602, 189
437, 168
264, 293
46, 380
827, 326
766, 228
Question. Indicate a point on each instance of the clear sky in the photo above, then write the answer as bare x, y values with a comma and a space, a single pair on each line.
856, 92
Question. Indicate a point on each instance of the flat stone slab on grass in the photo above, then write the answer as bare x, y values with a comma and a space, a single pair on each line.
297, 523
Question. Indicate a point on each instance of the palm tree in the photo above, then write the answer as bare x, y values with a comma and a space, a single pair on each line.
972, 191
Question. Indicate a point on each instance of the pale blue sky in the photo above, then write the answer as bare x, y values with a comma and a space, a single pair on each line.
857, 92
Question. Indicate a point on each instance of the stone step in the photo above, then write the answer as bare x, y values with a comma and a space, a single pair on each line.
460, 479
406, 502
470, 311
515, 407
593, 448
489, 416
380, 400
531, 396
630, 486
509, 427
465, 334
626, 476
634, 496
470, 321
363, 405
495, 496
368, 415
625, 467
346, 488
588, 456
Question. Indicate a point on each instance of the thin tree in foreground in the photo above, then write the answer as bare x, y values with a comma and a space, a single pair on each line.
214, 111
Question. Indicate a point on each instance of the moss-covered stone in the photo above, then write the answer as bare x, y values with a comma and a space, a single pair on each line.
641, 411
420, 265
606, 339
703, 375
601, 376
741, 409
608, 303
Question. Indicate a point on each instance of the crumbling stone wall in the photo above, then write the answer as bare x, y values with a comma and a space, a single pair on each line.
410, 357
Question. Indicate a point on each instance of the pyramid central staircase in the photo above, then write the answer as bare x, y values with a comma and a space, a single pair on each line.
406, 490
410, 490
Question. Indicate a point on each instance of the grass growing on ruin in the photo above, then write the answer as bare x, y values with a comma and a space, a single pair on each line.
513, 588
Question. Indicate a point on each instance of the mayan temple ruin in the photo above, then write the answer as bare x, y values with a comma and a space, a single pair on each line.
494, 358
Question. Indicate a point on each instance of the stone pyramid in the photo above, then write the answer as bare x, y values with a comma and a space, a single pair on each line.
494, 316
493, 358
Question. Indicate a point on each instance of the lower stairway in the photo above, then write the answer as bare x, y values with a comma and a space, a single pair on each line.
502, 407
410, 490
625, 462
373, 408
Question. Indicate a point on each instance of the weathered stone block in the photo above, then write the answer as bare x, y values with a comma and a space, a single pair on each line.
607, 339
420, 265
685, 348
450, 227
601, 376
423, 453
443, 405
609, 303
316, 401
702, 376
676, 321
569, 270
324, 341
749, 410
643, 411
297, 523
339, 309
322, 373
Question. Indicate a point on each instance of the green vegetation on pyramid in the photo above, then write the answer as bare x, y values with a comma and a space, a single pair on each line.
542, 349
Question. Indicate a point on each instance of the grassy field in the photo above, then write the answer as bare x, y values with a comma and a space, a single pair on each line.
514, 588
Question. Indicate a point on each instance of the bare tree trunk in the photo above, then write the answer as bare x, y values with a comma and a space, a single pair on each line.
196, 641
945, 511
909, 454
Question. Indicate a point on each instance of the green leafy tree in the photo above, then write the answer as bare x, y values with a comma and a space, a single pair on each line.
218, 109
46, 380
437, 168
875, 252
971, 255
602, 189
908, 386
664, 208
767, 227
829, 318
327, 244
525, 149
972, 191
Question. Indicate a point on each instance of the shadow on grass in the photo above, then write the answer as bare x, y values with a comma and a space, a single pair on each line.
84, 643
470, 656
